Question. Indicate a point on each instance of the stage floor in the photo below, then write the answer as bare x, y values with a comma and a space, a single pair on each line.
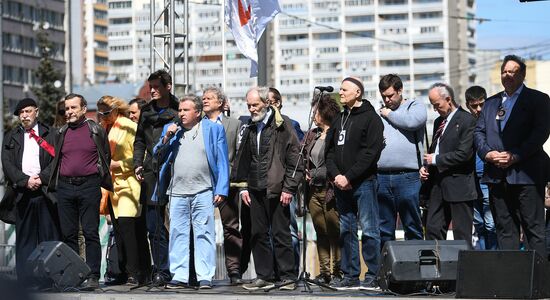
221, 290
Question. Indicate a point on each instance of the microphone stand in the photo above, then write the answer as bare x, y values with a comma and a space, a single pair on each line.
304, 276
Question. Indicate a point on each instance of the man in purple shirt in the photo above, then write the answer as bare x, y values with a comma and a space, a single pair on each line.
80, 168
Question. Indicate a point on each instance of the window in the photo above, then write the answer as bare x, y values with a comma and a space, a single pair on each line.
394, 63
122, 4
359, 48
326, 36
116, 21
429, 29
427, 46
433, 60
428, 15
359, 34
358, 2
394, 17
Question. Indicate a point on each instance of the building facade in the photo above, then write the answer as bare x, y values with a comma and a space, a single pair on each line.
89, 45
21, 21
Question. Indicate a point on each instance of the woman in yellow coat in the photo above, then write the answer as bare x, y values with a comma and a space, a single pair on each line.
125, 207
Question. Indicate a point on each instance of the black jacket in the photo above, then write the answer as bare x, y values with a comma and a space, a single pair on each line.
12, 158
99, 136
150, 125
454, 169
356, 158
283, 155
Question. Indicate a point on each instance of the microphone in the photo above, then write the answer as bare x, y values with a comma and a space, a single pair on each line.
325, 88
170, 133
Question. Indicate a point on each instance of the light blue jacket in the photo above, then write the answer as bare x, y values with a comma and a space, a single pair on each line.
215, 146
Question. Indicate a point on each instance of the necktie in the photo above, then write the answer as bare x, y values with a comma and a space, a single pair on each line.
41, 142
437, 134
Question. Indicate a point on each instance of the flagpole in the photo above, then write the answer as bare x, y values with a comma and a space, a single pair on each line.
224, 50
262, 59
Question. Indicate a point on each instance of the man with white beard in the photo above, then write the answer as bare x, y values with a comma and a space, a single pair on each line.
264, 168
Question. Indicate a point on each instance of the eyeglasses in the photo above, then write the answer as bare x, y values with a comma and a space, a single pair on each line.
105, 113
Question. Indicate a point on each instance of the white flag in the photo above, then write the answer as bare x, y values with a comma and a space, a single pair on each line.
247, 20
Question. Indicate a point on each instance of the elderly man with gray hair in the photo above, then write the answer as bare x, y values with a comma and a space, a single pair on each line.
449, 166
265, 166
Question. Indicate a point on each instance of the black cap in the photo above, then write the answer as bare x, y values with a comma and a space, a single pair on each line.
24, 103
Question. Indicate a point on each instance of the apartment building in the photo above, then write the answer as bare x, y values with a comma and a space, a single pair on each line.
320, 42
21, 21
89, 47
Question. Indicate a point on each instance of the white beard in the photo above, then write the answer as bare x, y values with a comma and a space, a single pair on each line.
260, 115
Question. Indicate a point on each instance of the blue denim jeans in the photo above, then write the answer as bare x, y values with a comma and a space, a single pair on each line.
359, 205
158, 238
198, 209
398, 193
483, 222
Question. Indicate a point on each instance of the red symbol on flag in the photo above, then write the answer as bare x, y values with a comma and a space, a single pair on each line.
244, 15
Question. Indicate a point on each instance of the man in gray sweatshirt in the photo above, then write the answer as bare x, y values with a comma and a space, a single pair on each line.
398, 182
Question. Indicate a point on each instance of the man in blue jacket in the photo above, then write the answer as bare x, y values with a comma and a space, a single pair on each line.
195, 175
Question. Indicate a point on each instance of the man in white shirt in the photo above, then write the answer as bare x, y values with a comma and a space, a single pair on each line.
27, 153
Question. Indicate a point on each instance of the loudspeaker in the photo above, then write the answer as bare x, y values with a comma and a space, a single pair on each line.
55, 262
502, 274
416, 265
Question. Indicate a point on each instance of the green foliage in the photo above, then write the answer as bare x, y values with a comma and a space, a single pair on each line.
46, 75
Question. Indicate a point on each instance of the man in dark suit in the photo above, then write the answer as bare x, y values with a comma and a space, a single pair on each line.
213, 101
509, 136
450, 167
27, 153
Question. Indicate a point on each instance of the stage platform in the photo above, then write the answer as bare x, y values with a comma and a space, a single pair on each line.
221, 291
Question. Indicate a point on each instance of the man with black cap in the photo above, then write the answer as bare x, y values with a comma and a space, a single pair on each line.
354, 143
27, 154
80, 168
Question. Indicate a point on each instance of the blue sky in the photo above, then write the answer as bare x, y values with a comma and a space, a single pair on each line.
514, 24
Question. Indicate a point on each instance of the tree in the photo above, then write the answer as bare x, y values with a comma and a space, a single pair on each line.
48, 89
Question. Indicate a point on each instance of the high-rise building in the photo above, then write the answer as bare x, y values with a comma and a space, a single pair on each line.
130, 51
315, 43
319, 42
88, 34
21, 21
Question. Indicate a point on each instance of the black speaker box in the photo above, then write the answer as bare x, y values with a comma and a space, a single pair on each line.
414, 266
57, 263
502, 274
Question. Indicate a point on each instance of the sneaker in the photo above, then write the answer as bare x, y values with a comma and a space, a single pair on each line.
176, 285
258, 284
205, 284
287, 285
345, 283
91, 284
370, 283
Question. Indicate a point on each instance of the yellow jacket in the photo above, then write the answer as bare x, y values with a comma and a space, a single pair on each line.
126, 188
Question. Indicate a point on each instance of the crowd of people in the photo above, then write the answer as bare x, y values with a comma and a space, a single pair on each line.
159, 169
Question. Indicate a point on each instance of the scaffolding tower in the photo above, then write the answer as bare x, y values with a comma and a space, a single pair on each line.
169, 28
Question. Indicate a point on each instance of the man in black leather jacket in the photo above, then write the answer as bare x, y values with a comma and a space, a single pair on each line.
80, 168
